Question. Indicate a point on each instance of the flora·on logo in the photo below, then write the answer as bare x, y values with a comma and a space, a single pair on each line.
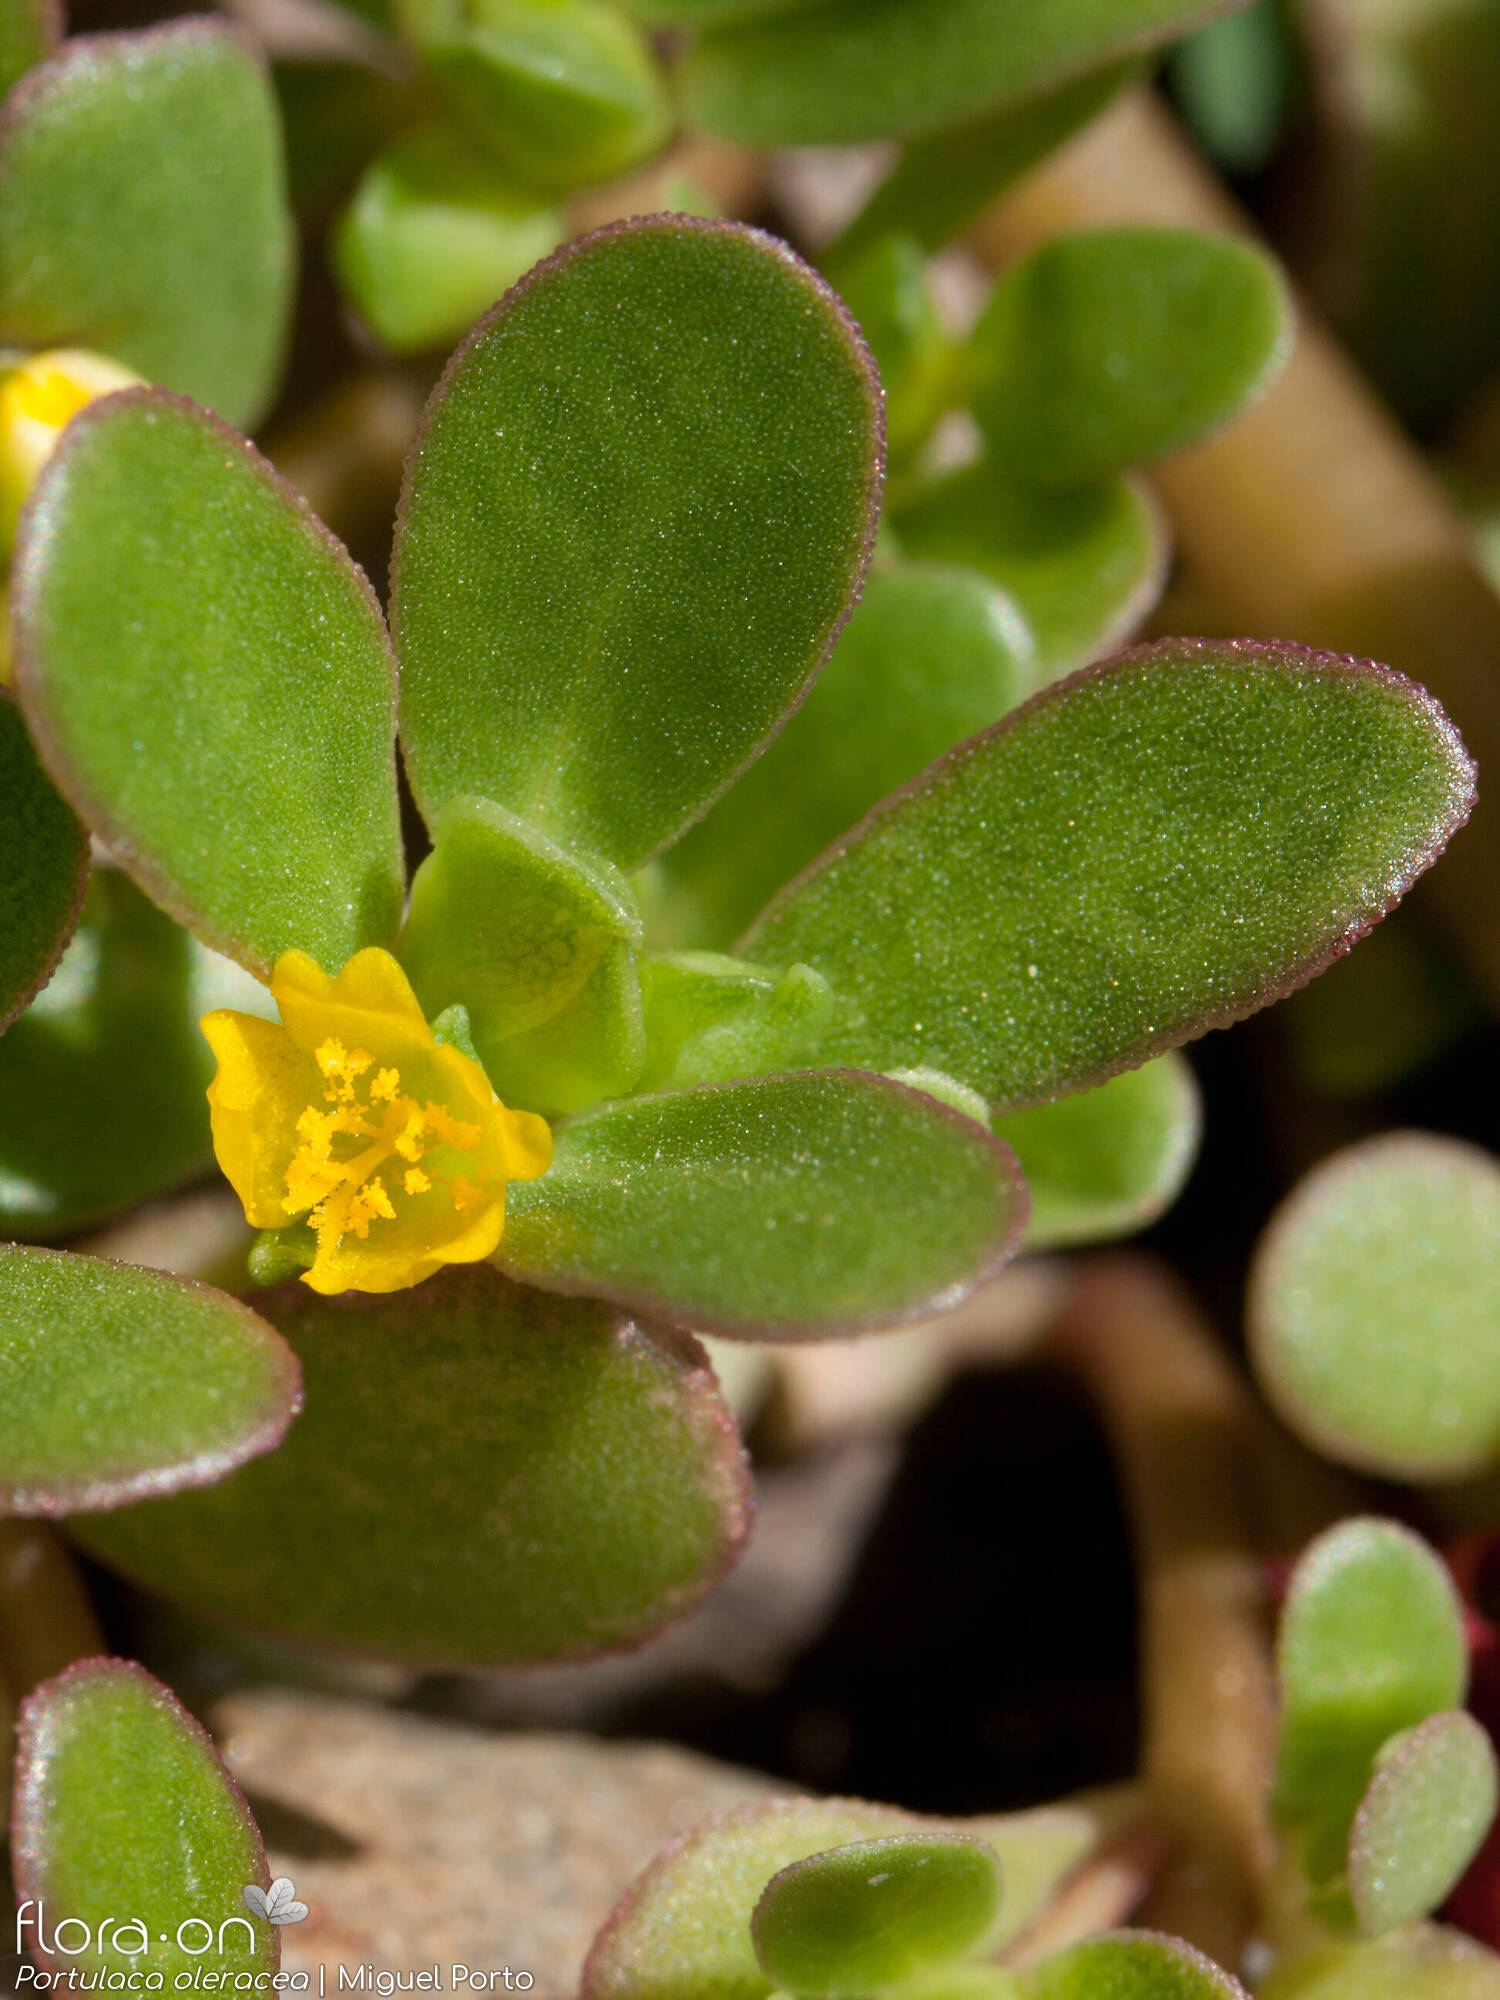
278, 1904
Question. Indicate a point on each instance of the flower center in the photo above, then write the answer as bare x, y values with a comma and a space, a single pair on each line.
334, 1175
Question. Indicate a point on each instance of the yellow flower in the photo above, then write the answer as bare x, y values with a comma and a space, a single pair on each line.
37, 398
350, 1114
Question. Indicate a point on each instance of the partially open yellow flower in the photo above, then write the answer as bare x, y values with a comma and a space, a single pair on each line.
352, 1116
37, 398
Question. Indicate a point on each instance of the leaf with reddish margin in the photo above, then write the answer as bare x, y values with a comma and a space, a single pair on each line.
125, 1815
483, 1475
119, 1382
46, 869
1155, 847
1421, 1821
114, 237
682, 1929
238, 756
788, 1206
639, 511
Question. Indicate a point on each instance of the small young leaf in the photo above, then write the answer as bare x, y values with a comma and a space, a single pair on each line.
710, 1019
1374, 1307
1148, 850
118, 1382
1112, 347
1130, 1965
114, 237
932, 654
1371, 1642
482, 1475
853, 70
238, 756
682, 1929
46, 869
1106, 1162
103, 1077
1083, 567
868, 1915
516, 930
561, 93
29, 30
642, 502
784, 1206
127, 1824
1421, 1822
433, 235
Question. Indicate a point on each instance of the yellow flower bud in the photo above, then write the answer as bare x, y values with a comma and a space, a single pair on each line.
37, 398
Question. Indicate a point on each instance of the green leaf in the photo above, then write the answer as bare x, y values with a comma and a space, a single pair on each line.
1108, 348
888, 69
932, 654
889, 292
560, 92
710, 1019
46, 869
103, 1077
942, 184
785, 1206
1422, 1820
1425, 1962
1083, 567
1148, 850
1371, 1642
1374, 1307
485, 1475
433, 236
128, 1824
118, 1382
682, 1929
713, 13
538, 946
1130, 1965
642, 501
114, 237
1238, 83
238, 755
29, 30
1106, 1162
870, 1914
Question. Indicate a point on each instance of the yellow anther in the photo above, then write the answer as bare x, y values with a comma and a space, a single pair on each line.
415, 1181
409, 1141
386, 1085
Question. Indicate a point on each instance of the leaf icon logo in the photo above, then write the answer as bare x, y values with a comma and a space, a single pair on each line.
278, 1904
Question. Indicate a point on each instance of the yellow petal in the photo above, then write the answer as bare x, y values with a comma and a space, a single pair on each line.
527, 1140
263, 1085
375, 1264
370, 1004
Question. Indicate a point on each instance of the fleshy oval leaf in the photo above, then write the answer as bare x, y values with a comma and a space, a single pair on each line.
857, 1918
105, 1747
1150, 849
854, 70
1108, 348
482, 1474
787, 1206
118, 1382
1374, 1307
1421, 1821
1104, 1163
103, 1077
932, 654
682, 1929
1425, 1962
638, 513
46, 869
237, 752
1371, 1642
114, 238
1130, 1965
1084, 567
